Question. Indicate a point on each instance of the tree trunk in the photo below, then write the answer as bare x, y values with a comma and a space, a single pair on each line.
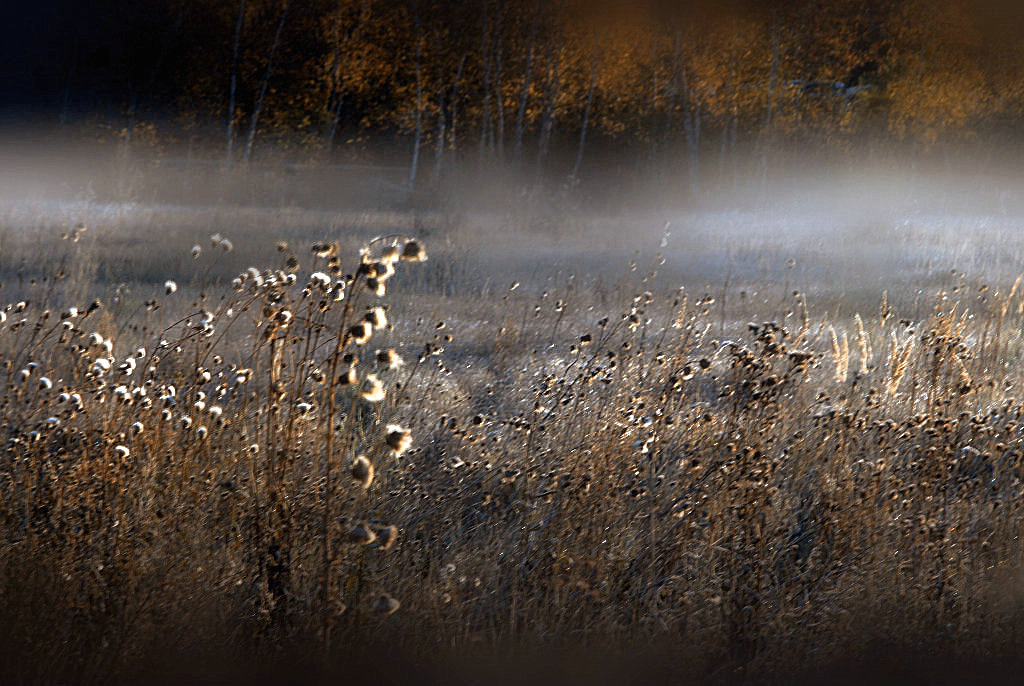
766, 134
574, 177
65, 106
500, 97
485, 58
517, 147
417, 138
253, 123
234, 82
452, 137
332, 130
548, 118
336, 97
441, 135
691, 126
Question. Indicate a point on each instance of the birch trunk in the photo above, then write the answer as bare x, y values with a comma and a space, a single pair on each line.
574, 177
234, 83
254, 122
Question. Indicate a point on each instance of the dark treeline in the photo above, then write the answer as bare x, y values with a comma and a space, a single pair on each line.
540, 87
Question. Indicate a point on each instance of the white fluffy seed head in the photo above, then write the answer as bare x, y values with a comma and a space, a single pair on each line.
377, 318
372, 389
362, 471
397, 439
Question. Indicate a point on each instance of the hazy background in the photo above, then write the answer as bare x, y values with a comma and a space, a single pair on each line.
873, 144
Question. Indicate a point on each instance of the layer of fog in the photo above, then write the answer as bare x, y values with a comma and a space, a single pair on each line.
827, 230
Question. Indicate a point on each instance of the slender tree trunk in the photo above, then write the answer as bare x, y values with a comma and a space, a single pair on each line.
728, 127
500, 104
417, 138
452, 134
691, 126
332, 130
234, 82
65, 106
441, 134
770, 113
574, 177
254, 121
672, 93
548, 118
336, 98
335, 94
485, 57
517, 148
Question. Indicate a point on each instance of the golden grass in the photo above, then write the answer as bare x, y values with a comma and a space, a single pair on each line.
248, 465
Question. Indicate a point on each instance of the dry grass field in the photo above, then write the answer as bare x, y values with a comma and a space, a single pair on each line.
745, 449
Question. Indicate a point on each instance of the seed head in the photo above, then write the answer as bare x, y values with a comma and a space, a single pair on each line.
386, 605
122, 451
170, 287
196, 251
360, 333
372, 390
386, 535
349, 377
362, 471
397, 439
376, 317
413, 251
360, 534
320, 280
389, 359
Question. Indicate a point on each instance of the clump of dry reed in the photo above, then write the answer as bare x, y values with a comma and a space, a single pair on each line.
210, 452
